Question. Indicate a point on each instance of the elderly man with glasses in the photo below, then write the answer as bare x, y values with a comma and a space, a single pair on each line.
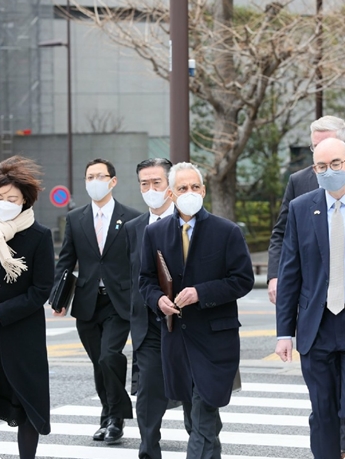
310, 295
299, 183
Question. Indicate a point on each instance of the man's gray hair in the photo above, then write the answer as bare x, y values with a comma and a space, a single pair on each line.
329, 123
182, 167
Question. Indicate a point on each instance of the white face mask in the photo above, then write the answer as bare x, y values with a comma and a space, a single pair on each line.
97, 189
189, 203
154, 199
9, 210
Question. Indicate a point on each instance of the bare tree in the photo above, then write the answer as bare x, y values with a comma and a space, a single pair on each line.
104, 122
239, 53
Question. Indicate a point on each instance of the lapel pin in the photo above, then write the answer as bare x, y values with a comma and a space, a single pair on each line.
317, 212
118, 223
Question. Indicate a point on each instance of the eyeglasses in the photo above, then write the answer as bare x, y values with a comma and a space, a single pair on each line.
335, 165
91, 177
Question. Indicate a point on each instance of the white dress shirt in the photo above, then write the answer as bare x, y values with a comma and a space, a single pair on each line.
107, 212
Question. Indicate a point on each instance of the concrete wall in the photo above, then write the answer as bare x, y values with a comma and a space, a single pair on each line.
124, 150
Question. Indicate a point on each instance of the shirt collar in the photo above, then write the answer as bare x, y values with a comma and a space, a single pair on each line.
169, 211
107, 209
191, 222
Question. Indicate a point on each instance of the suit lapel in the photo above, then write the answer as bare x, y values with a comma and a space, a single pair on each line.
318, 215
88, 226
140, 227
116, 224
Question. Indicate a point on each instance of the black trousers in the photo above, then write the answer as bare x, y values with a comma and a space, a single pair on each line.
104, 337
151, 400
203, 424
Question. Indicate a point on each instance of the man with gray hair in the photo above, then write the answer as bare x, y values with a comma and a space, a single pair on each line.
210, 267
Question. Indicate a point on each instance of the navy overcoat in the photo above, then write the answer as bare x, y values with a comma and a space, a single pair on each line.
203, 348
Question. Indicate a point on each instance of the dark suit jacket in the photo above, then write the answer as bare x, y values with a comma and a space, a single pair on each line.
304, 270
204, 346
299, 183
80, 244
139, 312
23, 352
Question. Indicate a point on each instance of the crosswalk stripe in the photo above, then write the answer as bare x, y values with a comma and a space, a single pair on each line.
177, 415
170, 434
277, 388
89, 452
269, 402
59, 331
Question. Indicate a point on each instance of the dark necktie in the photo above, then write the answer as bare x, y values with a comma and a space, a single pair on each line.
99, 230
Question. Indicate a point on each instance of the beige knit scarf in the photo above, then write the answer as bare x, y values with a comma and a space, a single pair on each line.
13, 266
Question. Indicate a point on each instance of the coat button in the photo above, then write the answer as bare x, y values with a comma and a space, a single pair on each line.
183, 326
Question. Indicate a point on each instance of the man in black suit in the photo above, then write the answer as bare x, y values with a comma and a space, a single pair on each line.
200, 356
95, 238
299, 183
145, 328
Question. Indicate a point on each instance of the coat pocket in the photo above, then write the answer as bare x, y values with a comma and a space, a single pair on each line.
303, 302
224, 323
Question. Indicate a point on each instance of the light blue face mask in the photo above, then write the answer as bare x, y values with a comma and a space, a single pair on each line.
331, 180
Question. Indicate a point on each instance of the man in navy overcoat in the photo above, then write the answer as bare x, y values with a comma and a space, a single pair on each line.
201, 354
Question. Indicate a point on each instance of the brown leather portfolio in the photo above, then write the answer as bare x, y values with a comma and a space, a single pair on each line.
165, 283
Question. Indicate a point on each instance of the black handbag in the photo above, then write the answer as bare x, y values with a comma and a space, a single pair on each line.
62, 297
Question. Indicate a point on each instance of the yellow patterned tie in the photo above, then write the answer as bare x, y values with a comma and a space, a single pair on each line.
335, 295
185, 240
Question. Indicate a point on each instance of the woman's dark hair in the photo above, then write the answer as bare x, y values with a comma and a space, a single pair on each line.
22, 173
110, 166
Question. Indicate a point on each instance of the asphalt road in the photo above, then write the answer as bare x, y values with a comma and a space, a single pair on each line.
267, 419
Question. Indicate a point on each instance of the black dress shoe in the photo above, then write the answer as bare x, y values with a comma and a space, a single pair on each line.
114, 431
99, 434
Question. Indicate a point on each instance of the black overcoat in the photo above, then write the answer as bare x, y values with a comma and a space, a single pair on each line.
299, 183
23, 352
203, 348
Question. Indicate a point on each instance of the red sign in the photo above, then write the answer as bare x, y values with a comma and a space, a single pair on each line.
60, 196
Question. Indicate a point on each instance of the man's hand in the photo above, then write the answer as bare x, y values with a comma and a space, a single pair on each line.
166, 306
60, 314
187, 296
272, 290
284, 349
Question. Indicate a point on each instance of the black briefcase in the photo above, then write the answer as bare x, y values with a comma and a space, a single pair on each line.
62, 297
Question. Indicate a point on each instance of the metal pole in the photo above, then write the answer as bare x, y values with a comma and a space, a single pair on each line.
179, 82
69, 107
319, 92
